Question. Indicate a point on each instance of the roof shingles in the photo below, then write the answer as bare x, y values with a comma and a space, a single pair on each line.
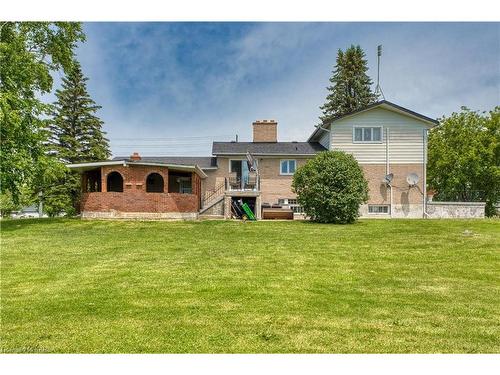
203, 162
267, 148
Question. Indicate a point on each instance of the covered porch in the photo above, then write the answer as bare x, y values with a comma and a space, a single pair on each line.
135, 189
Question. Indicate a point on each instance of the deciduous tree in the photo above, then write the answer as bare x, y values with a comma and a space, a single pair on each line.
464, 157
29, 53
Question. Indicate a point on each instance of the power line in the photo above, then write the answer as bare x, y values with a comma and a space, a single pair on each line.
208, 137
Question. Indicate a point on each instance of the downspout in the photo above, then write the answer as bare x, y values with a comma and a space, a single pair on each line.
387, 168
424, 177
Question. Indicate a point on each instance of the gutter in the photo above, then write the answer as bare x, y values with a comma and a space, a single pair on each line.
424, 172
264, 154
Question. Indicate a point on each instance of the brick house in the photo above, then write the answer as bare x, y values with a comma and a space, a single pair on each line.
388, 141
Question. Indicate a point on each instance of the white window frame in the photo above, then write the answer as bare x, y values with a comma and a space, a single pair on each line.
287, 167
380, 205
371, 132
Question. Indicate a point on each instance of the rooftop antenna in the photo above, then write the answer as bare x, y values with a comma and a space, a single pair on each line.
378, 89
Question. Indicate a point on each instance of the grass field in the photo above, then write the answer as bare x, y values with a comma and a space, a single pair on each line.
375, 286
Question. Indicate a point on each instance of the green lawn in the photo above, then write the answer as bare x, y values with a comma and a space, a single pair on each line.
375, 286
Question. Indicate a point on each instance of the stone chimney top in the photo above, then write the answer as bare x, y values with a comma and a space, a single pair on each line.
265, 131
135, 156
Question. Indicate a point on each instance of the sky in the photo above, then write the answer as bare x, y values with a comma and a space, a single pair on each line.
173, 88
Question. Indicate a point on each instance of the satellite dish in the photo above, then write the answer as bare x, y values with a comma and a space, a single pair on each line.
412, 179
388, 178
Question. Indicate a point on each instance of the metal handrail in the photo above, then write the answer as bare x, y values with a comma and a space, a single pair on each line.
219, 189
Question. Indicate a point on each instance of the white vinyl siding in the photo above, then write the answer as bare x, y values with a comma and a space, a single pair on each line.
325, 140
405, 137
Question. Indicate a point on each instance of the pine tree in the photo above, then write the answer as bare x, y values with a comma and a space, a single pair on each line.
76, 131
76, 136
350, 87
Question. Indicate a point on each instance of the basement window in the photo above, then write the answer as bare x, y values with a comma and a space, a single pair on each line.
378, 208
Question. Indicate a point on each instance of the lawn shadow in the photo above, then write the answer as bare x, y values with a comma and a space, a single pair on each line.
9, 225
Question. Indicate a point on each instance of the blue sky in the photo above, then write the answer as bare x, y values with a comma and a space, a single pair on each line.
171, 88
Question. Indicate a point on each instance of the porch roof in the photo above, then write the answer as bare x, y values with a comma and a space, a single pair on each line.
82, 167
204, 162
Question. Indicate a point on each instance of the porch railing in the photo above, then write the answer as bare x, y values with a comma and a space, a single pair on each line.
242, 184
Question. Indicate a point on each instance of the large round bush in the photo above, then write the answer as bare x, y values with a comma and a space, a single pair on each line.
331, 187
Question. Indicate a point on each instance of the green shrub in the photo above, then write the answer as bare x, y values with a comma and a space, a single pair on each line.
331, 187
7, 204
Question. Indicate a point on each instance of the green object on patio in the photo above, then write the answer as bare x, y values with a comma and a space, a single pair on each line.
248, 211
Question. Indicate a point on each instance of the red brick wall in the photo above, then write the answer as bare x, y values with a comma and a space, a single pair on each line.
135, 198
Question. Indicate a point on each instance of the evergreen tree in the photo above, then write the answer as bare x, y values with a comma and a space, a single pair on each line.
76, 136
76, 131
350, 87
29, 53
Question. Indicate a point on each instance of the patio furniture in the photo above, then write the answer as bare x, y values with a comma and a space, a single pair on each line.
233, 181
251, 181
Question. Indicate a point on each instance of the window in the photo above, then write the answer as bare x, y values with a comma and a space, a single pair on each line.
371, 134
378, 209
154, 183
235, 166
93, 181
287, 167
114, 182
179, 182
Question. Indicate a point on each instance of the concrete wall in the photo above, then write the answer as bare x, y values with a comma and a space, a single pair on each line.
112, 214
461, 210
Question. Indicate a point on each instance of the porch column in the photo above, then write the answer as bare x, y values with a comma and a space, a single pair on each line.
258, 209
165, 183
83, 182
103, 181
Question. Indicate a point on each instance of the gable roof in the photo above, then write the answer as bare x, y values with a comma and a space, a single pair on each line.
267, 148
383, 104
204, 162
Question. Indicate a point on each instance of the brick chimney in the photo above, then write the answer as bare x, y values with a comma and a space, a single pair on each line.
265, 131
135, 156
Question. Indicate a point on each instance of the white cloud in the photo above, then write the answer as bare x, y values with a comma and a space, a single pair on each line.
279, 71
